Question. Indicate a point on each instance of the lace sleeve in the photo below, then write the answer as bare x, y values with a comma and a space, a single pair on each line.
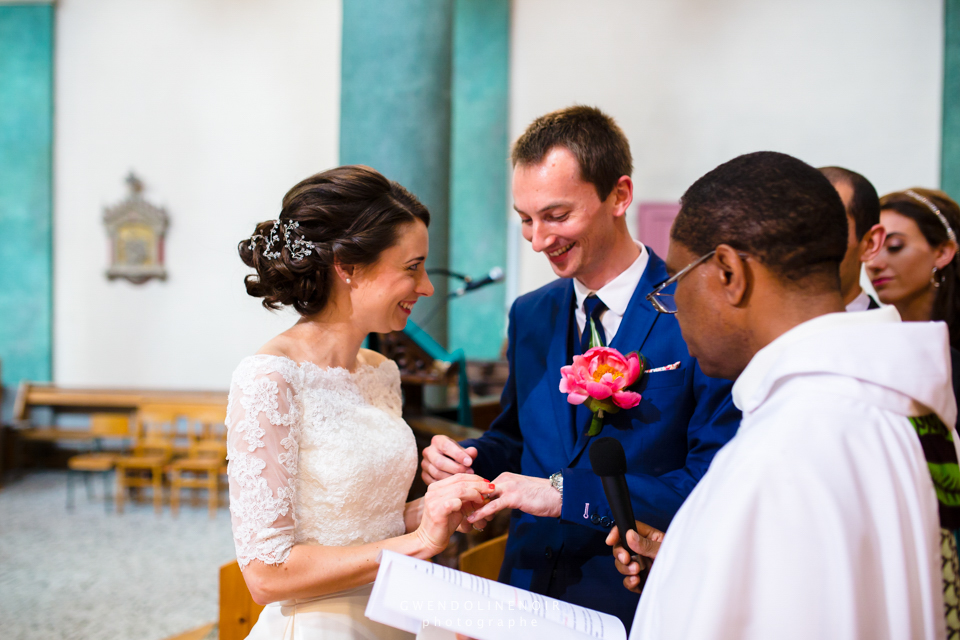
263, 433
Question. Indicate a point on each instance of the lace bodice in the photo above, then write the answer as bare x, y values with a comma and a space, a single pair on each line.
316, 455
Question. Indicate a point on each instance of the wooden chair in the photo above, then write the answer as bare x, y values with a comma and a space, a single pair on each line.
238, 611
484, 560
102, 425
206, 456
152, 452
195, 422
205, 421
200, 470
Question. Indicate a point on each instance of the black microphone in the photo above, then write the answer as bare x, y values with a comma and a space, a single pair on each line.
610, 463
494, 275
440, 271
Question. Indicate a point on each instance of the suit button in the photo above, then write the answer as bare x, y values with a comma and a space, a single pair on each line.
605, 521
595, 519
548, 553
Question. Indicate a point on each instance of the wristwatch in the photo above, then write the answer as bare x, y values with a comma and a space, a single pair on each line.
556, 481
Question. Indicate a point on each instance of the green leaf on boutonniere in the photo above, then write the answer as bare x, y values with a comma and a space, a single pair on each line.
599, 409
596, 424
606, 406
595, 340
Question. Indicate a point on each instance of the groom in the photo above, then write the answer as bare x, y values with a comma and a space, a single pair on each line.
572, 188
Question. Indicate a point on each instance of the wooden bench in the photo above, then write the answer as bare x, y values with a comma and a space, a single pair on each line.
238, 611
88, 401
484, 560
77, 400
71, 400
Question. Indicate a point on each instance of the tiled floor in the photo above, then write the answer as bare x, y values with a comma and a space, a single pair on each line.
89, 575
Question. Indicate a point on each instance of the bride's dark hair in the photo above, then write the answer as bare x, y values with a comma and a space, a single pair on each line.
348, 215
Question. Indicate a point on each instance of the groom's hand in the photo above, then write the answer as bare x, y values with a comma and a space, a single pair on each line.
444, 458
535, 496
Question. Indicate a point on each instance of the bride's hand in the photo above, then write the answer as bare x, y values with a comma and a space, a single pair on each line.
467, 511
443, 505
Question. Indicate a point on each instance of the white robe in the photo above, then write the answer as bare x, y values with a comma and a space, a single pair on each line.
819, 519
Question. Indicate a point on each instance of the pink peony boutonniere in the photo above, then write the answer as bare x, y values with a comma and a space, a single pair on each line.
601, 378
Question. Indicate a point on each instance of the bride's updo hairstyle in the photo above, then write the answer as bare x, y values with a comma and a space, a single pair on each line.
348, 215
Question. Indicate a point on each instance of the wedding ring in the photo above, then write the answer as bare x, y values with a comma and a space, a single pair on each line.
476, 528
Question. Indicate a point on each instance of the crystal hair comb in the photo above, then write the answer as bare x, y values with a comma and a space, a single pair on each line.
298, 247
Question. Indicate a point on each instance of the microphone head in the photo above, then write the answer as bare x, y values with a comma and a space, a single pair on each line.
607, 457
496, 274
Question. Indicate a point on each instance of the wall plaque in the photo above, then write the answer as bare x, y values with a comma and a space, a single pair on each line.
136, 230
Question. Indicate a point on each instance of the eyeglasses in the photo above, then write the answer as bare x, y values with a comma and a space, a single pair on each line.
664, 302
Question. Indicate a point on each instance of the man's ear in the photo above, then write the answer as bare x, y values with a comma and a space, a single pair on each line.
622, 195
944, 254
872, 242
734, 274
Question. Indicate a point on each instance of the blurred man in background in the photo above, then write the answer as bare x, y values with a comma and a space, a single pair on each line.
865, 235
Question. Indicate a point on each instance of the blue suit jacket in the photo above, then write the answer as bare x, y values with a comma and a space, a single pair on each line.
669, 439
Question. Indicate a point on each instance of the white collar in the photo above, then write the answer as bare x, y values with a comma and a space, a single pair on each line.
617, 293
753, 376
860, 303
749, 389
910, 359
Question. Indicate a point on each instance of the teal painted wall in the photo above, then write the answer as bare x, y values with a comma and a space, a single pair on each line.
26, 137
395, 112
950, 153
478, 184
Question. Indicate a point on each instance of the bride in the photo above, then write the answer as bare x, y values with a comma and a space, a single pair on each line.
320, 461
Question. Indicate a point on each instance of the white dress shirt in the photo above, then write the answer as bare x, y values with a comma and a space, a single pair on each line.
819, 518
616, 294
860, 303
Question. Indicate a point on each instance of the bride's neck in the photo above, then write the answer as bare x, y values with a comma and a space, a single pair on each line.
325, 343
330, 338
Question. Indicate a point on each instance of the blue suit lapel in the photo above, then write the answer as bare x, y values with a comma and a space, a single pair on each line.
558, 356
640, 316
634, 330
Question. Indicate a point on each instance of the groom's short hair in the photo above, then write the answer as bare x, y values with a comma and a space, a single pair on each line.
773, 206
593, 137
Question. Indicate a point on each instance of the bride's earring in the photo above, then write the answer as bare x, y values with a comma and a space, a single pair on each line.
934, 279
348, 280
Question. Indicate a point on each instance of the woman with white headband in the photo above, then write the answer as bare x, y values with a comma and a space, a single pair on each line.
916, 271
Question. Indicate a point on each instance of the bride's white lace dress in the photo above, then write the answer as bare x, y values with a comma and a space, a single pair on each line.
316, 456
